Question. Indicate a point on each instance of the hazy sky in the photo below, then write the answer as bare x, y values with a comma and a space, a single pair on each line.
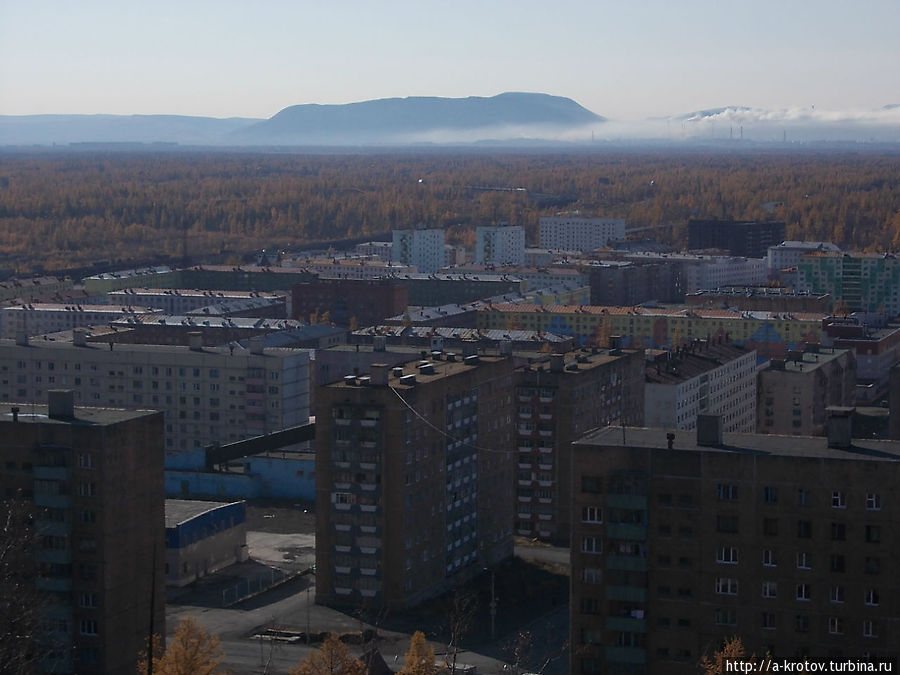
624, 59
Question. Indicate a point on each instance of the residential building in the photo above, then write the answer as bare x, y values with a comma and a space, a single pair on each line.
681, 541
787, 254
94, 478
419, 247
27, 290
210, 395
858, 282
39, 319
379, 250
186, 300
794, 393
573, 232
701, 377
559, 398
349, 302
430, 290
502, 244
414, 479
761, 298
628, 283
750, 239
350, 267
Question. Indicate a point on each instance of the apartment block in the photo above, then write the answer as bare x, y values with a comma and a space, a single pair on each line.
761, 298
94, 479
500, 244
209, 395
424, 249
183, 301
750, 239
858, 282
39, 319
349, 302
414, 479
787, 254
701, 377
558, 399
573, 232
681, 541
795, 393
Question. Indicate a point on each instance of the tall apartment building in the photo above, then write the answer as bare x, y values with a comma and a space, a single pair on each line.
787, 254
419, 247
557, 402
349, 301
747, 238
702, 377
94, 478
209, 395
858, 282
681, 541
572, 232
795, 393
500, 244
414, 479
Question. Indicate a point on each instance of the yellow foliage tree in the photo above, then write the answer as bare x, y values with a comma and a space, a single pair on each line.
732, 651
420, 657
192, 651
332, 658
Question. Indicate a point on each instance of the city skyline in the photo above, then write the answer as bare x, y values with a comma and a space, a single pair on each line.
627, 63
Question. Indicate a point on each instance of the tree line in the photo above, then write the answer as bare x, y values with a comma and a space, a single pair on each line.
65, 210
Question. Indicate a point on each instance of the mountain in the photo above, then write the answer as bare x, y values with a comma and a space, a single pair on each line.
65, 129
423, 120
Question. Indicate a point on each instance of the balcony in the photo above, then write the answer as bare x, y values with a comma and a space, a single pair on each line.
342, 590
341, 464
342, 421
525, 483
545, 500
524, 465
626, 531
53, 584
341, 569
545, 450
368, 466
342, 486
524, 516
62, 557
626, 655
52, 501
371, 445
626, 501
545, 467
342, 527
368, 508
368, 571
545, 516
368, 424
546, 433
626, 593
368, 550
368, 529
61, 473
626, 624
545, 416
627, 563
342, 507
368, 593
368, 487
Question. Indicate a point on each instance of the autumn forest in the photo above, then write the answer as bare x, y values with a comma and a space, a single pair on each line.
70, 209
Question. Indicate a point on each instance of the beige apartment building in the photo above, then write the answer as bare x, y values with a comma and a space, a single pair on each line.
414, 479
681, 540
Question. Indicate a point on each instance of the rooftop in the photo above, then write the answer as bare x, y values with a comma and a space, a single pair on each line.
31, 413
751, 444
180, 511
680, 366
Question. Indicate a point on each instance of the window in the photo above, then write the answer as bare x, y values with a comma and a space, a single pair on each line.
769, 589
726, 492
591, 545
872, 597
803, 592
726, 523
592, 575
838, 500
88, 627
727, 555
835, 625
770, 495
726, 616
592, 484
770, 527
801, 624
873, 534
726, 586
803, 561
88, 600
838, 532
873, 502
870, 628
804, 529
592, 514
837, 594
85, 461
873, 565
769, 558
768, 621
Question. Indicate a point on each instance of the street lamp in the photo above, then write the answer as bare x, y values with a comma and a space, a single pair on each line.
493, 606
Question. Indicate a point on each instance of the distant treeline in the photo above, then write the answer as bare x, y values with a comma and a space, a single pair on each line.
67, 210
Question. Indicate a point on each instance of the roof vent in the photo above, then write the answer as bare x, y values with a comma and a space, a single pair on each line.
61, 404
397, 372
409, 380
471, 360
426, 369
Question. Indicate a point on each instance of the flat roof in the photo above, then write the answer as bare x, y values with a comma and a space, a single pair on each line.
754, 444
32, 413
180, 511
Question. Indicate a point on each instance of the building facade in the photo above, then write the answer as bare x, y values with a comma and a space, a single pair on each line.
500, 244
45, 318
787, 254
858, 282
349, 302
557, 401
750, 239
424, 249
572, 232
680, 542
94, 479
414, 479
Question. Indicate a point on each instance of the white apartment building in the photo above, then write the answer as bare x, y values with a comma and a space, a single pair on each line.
572, 232
350, 268
422, 248
500, 245
706, 378
788, 253
380, 250
43, 318
210, 395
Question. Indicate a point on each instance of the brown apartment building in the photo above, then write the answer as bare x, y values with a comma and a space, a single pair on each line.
414, 479
681, 540
557, 401
93, 478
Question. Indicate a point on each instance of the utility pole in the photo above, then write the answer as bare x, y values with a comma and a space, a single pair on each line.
493, 609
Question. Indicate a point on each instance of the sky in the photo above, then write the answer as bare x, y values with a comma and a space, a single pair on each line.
626, 59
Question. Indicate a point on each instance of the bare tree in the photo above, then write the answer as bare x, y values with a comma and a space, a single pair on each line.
20, 601
460, 611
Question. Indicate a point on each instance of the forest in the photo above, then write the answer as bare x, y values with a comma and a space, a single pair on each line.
62, 210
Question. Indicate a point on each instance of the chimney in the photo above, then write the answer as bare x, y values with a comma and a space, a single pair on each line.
15, 413
378, 374
195, 341
557, 362
21, 338
256, 345
379, 343
79, 337
615, 345
670, 440
709, 430
840, 426
61, 404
